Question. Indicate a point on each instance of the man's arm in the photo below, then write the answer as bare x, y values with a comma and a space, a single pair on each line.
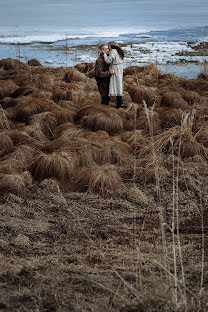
99, 72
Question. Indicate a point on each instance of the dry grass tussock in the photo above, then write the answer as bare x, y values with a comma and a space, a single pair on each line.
10, 166
23, 110
11, 64
95, 117
15, 183
174, 100
149, 122
59, 166
98, 180
135, 139
180, 142
24, 154
85, 67
170, 117
141, 93
74, 75
5, 142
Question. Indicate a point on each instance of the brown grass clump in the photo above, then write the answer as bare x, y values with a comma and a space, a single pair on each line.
174, 100
10, 166
8, 102
170, 117
71, 106
44, 82
36, 132
95, 117
22, 138
4, 92
151, 169
132, 70
63, 127
32, 106
59, 166
179, 141
22, 91
191, 97
45, 122
198, 85
85, 67
11, 64
98, 180
153, 125
5, 142
135, 195
111, 150
24, 154
74, 75
135, 139
201, 133
33, 62
142, 93
15, 183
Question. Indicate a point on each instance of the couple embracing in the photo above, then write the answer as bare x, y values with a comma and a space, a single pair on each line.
109, 73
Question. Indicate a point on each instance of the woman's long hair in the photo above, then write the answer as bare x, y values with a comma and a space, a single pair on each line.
119, 50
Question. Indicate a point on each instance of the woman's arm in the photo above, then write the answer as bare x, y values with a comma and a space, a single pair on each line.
109, 58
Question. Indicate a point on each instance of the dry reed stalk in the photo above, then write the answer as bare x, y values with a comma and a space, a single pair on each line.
59, 166
142, 122
98, 180
5, 123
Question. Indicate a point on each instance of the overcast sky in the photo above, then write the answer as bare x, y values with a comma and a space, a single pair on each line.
91, 12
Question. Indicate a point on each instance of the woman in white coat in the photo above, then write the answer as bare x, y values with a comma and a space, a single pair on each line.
115, 60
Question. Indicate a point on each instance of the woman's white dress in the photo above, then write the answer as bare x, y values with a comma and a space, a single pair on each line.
116, 80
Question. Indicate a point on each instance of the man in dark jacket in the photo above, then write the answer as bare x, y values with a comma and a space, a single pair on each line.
102, 76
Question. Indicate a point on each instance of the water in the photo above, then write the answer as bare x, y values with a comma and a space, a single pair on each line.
43, 28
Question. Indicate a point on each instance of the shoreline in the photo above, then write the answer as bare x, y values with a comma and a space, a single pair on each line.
184, 59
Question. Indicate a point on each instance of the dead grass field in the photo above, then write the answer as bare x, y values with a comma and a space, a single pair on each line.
102, 209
